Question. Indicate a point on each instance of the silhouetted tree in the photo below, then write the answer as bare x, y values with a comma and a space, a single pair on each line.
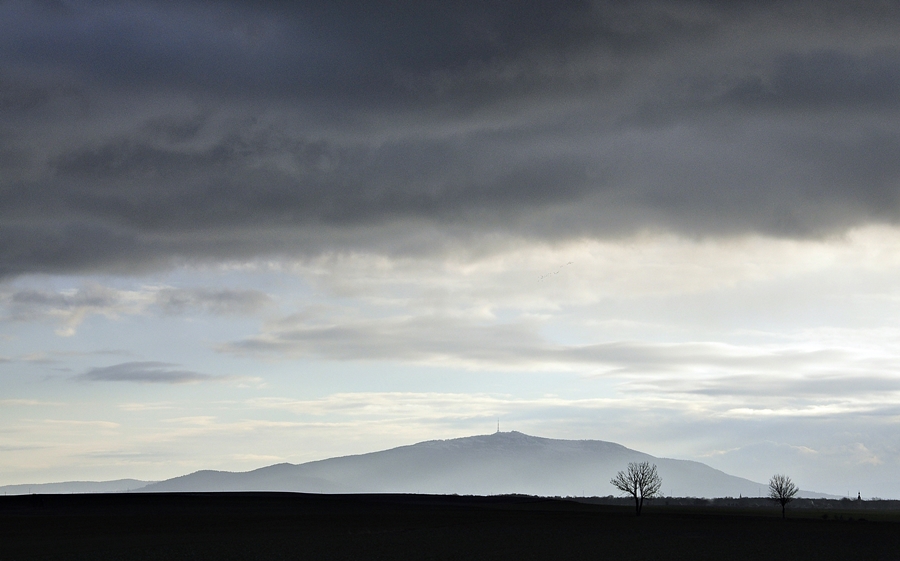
782, 490
640, 481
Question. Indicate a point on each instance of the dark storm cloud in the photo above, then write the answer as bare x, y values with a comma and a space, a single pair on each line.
136, 135
144, 372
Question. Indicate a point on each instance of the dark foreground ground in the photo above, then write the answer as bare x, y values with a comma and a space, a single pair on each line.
297, 526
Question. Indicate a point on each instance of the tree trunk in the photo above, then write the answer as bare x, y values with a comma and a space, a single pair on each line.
782, 510
637, 506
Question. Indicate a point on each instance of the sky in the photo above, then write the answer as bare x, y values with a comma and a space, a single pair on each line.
240, 233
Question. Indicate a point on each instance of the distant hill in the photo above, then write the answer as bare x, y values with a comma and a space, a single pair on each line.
500, 463
118, 486
494, 464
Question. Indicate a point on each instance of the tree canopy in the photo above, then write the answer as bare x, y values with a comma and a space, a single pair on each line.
782, 490
640, 481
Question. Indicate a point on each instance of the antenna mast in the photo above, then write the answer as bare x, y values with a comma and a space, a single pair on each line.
498, 425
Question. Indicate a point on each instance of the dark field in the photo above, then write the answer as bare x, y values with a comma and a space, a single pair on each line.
297, 526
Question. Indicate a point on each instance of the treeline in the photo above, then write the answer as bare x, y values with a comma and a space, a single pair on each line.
749, 502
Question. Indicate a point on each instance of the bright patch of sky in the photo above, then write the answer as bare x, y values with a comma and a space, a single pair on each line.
751, 354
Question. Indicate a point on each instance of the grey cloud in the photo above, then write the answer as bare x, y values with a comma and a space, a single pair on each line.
817, 386
56, 357
145, 372
7, 448
413, 339
30, 304
71, 307
134, 136
452, 340
219, 302
824, 79
95, 296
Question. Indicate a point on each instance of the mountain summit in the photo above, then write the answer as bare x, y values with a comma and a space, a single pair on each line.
499, 463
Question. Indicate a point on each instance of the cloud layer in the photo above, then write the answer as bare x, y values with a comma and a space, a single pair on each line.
670, 224
142, 134
72, 306
144, 372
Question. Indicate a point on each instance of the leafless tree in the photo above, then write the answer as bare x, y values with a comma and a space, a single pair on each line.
782, 490
640, 481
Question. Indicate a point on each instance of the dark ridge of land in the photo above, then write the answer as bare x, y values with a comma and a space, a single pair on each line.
882, 509
224, 526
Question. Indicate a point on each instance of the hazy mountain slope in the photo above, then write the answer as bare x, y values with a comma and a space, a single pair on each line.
279, 477
509, 462
118, 486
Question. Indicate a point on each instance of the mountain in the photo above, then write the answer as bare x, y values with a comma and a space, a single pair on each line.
118, 486
500, 463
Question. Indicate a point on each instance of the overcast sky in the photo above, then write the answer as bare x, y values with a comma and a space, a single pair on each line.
240, 233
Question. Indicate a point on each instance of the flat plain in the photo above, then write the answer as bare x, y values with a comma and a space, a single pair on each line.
226, 526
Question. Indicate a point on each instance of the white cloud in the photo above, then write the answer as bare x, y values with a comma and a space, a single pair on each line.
153, 406
647, 265
74, 423
29, 403
400, 405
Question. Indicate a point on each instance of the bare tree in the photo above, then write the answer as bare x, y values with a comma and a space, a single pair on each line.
640, 481
782, 490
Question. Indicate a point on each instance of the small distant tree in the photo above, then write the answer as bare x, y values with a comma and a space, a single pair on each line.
782, 490
640, 481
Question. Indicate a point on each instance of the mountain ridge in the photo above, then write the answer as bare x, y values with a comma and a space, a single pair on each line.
497, 463
492, 464
66, 487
